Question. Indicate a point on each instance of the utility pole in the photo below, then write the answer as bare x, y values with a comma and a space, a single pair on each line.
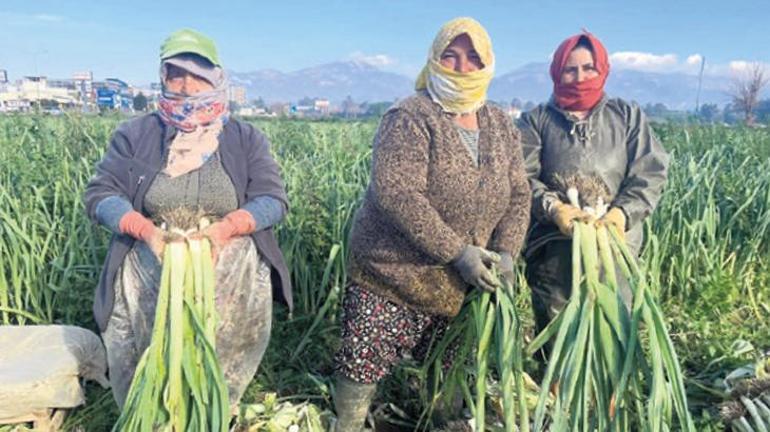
700, 83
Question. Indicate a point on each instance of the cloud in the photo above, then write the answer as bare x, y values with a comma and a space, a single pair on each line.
377, 60
643, 61
694, 60
739, 66
25, 20
733, 68
48, 18
671, 63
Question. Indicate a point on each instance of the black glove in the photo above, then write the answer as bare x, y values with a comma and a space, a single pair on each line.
474, 263
505, 267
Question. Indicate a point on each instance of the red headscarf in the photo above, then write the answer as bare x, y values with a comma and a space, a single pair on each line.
579, 96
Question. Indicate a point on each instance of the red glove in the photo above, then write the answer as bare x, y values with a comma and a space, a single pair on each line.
139, 227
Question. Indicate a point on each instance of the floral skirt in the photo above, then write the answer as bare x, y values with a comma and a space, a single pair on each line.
377, 334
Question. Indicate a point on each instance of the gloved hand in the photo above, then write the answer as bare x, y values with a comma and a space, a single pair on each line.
616, 218
505, 267
474, 263
564, 214
139, 227
234, 224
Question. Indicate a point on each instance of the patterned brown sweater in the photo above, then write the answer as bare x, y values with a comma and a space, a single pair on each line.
427, 199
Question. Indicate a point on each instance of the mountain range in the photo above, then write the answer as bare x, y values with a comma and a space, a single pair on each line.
531, 82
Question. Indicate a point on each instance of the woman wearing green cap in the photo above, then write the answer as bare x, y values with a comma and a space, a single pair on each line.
447, 200
189, 154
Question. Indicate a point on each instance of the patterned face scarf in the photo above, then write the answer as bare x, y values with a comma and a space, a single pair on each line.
190, 150
186, 113
199, 119
458, 93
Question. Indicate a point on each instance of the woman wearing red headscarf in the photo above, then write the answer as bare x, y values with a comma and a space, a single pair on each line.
604, 146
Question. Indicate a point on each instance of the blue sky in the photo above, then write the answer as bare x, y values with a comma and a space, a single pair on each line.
121, 39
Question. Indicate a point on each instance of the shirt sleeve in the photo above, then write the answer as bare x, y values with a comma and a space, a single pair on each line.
266, 211
543, 198
111, 210
111, 177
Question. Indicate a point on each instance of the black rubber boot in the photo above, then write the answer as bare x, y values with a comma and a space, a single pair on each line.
352, 400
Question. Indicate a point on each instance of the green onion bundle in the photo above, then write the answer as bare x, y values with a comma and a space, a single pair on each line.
598, 368
509, 344
489, 325
178, 384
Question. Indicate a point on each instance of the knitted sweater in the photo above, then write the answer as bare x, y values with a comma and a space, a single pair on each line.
427, 199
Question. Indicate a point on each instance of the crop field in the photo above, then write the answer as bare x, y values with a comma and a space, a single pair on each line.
707, 247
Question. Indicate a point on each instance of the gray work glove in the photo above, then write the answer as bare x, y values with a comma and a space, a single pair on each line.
505, 267
474, 263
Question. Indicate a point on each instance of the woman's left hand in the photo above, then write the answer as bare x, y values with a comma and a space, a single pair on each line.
236, 223
219, 235
615, 217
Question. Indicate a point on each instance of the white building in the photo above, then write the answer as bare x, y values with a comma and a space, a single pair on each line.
322, 105
237, 94
33, 90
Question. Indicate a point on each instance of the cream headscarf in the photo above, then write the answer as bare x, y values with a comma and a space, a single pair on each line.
458, 93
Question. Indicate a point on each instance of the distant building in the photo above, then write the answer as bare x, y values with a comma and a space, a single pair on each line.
254, 112
237, 94
280, 108
3, 76
322, 106
34, 90
62, 84
14, 105
84, 83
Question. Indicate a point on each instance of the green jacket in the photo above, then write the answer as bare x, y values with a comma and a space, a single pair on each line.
614, 143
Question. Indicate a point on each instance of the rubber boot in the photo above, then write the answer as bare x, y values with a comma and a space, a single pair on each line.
352, 400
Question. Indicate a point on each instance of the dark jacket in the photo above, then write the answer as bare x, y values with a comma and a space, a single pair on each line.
136, 155
427, 199
614, 143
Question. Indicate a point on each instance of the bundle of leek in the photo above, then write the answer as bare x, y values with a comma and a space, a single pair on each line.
483, 316
178, 384
597, 369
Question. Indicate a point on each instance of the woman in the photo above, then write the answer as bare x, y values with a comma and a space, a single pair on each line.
447, 200
189, 154
581, 132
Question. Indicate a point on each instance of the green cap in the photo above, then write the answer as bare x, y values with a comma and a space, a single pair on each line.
189, 41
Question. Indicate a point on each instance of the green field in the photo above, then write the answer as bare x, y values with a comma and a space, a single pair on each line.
708, 246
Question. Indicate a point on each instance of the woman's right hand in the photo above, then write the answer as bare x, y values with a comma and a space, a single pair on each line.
563, 215
156, 241
139, 227
474, 263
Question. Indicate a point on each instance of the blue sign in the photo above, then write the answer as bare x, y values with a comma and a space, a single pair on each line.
106, 97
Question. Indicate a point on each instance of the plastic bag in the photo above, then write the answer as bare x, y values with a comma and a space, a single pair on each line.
41, 367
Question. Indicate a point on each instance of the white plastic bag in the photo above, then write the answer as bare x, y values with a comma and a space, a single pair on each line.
41, 367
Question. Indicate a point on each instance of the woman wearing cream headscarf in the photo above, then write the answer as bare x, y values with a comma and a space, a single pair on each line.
447, 200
